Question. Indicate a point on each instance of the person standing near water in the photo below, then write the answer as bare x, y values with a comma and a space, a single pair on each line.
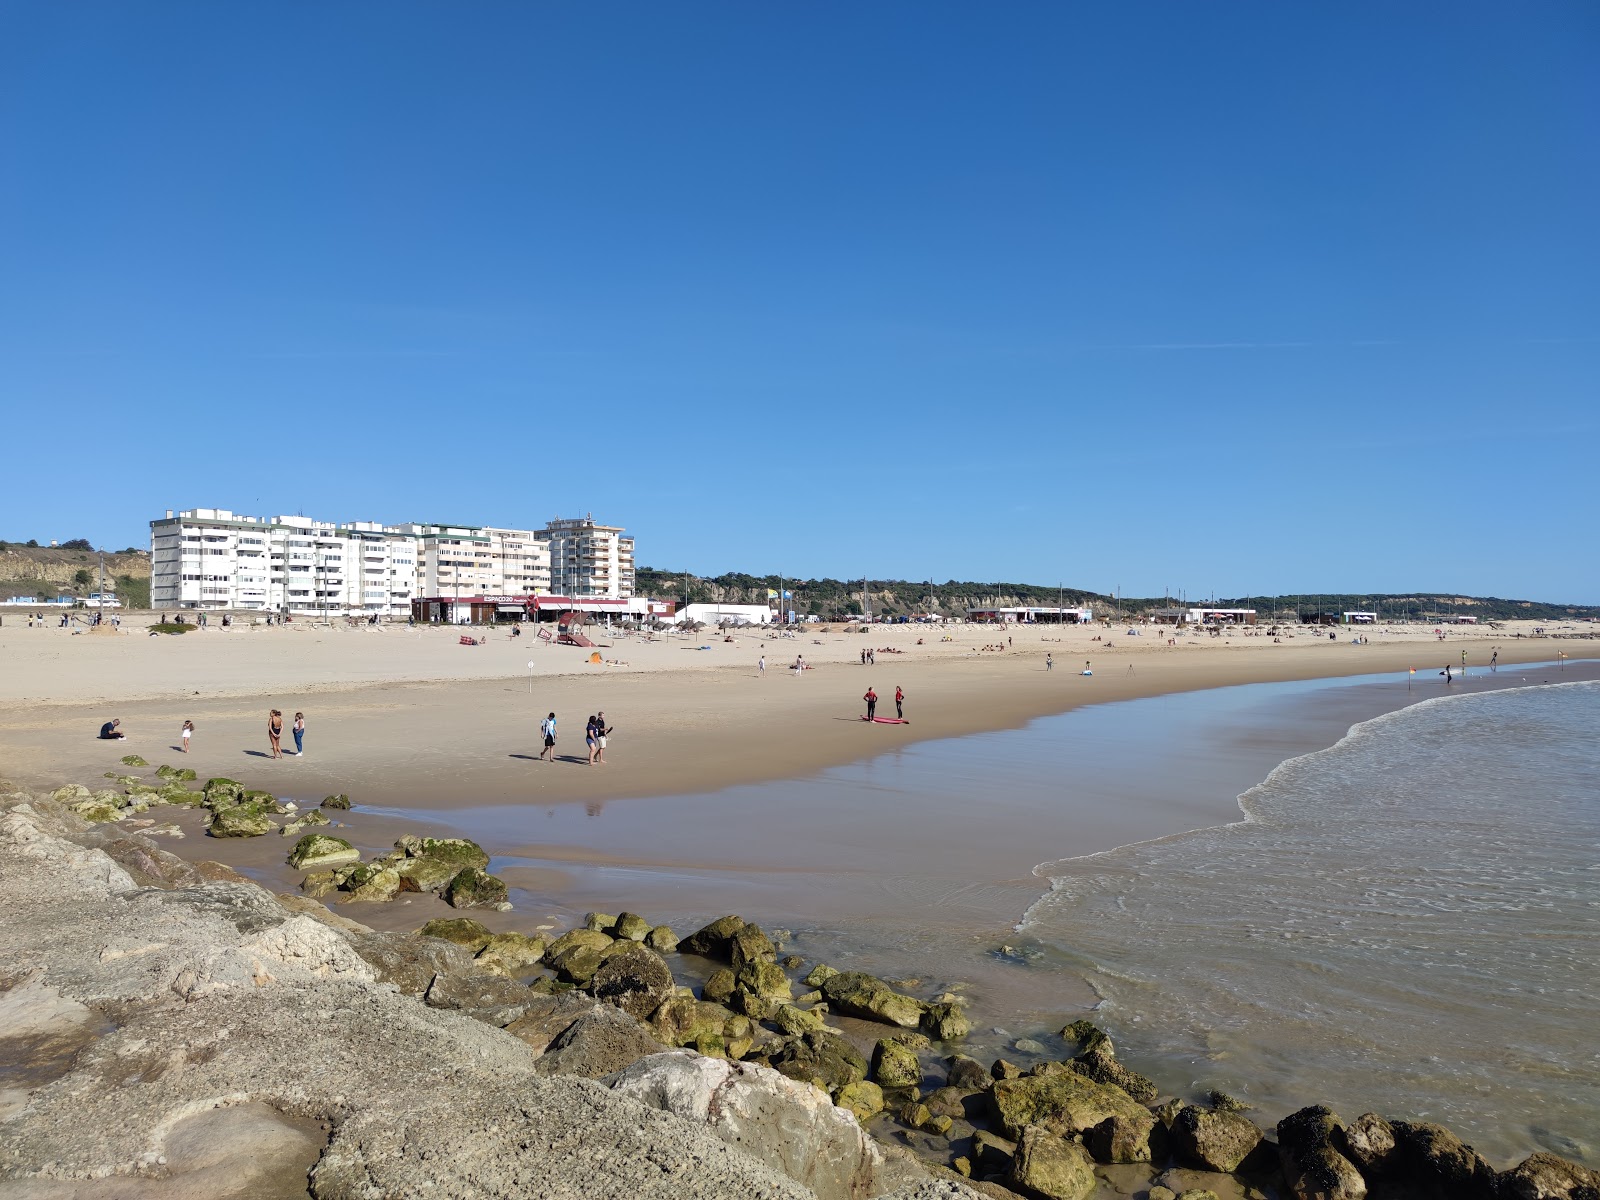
185, 734
547, 727
591, 738
872, 702
299, 731
275, 732
601, 732
1049, 663
761, 664
899, 703
1494, 659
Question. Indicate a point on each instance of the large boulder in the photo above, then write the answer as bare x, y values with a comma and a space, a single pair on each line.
818, 1056
968, 1074
631, 926
711, 941
1124, 1139
240, 820
1048, 1165
1064, 1103
1543, 1176
1100, 1064
946, 1021
409, 962
428, 875
463, 931
895, 1065
600, 1042
336, 801
473, 888
460, 851
764, 979
786, 1125
684, 1021
181, 773
510, 953
661, 939
1208, 1140
857, 994
545, 1018
748, 944
371, 883
318, 851
636, 979
483, 996
1433, 1158
1368, 1141
1313, 1168
221, 789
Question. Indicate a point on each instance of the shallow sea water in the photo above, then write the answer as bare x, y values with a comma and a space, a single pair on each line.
1408, 922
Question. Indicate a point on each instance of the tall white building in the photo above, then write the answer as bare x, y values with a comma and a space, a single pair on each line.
213, 558
587, 559
478, 560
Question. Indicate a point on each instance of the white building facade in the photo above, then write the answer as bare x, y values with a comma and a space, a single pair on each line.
478, 560
588, 560
210, 558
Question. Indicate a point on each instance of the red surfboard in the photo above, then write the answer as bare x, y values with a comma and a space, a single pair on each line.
886, 720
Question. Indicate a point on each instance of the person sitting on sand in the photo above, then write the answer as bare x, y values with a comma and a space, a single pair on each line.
110, 733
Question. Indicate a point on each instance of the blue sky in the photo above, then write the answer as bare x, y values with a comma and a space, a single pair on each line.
1230, 298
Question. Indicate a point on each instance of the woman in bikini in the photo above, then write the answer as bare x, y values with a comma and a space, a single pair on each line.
275, 732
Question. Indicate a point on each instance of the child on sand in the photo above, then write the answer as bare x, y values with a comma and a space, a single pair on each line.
186, 733
547, 727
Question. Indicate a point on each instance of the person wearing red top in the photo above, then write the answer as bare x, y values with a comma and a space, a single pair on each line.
872, 702
899, 703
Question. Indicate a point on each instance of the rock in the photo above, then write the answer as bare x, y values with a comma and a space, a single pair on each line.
1543, 1176
460, 851
819, 975
712, 940
795, 1022
1100, 1064
483, 996
863, 1098
472, 888
184, 773
240, 820
1197, 1194
1433, 1157
1066, 1103
510, 953
1368, 1141
182, 797
764, 979
946, 1020
1122, 1139
133, 760
631, 926
224, 789
967, 1073
1212, 1141
749, 944
914, 1113
1313, 1169
895, 1066
719, 986
636, 979
599, 1043
937, 1124
821, 1056
756, 1007
338, 801
661, 939
96, 810
403, 959
319, 884
463, 931
1029, 1046
573, 940
1158, 1192
681, 1020
1050, 1166
786, 1125
320, 850
992, 1153
597, 922
1001, 1069
1221, 1101
545, 1018
858, 994
428, 875
948, 1102
371, 883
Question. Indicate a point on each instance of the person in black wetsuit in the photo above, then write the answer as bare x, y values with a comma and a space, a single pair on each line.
872, 702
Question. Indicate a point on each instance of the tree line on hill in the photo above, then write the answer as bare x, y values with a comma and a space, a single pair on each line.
837, 599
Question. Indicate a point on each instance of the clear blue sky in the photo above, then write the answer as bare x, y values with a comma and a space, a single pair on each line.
1231, 298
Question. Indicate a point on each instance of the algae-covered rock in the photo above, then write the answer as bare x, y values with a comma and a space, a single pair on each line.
1368, 1141
599, 922
1099, 1063
1048, 1165
1212, 1141
796, 1022
183, 773
472, 888
764, 979
634, 978
895, 1065
319, 884
661, 939
819, 975
946, 1020
372, 883
321, 850
97, 811
220, 787
967, 1073
862, 1097
133, 760
1065, 1103
712, 940
1123, 1139
425, 874
1312, 1165
680, 1020
69, 793
337, 801
460, 851
819, 1056
719, 986
749, 944
631, 926
182, 797
510, 953
1433, 1157
858, 994
571, 940
240, 820
463, 931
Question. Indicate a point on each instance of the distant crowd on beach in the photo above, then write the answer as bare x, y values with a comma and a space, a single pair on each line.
112, 731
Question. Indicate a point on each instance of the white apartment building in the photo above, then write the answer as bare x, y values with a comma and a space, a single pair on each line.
478, 560
588, 560
214, 558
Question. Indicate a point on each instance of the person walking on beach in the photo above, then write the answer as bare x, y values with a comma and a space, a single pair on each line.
601, 732
761, 664
275, 732
872, 702
299, 731
899, 702
591, 739
1494, 659
1049, 663
185, 734
547, 728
